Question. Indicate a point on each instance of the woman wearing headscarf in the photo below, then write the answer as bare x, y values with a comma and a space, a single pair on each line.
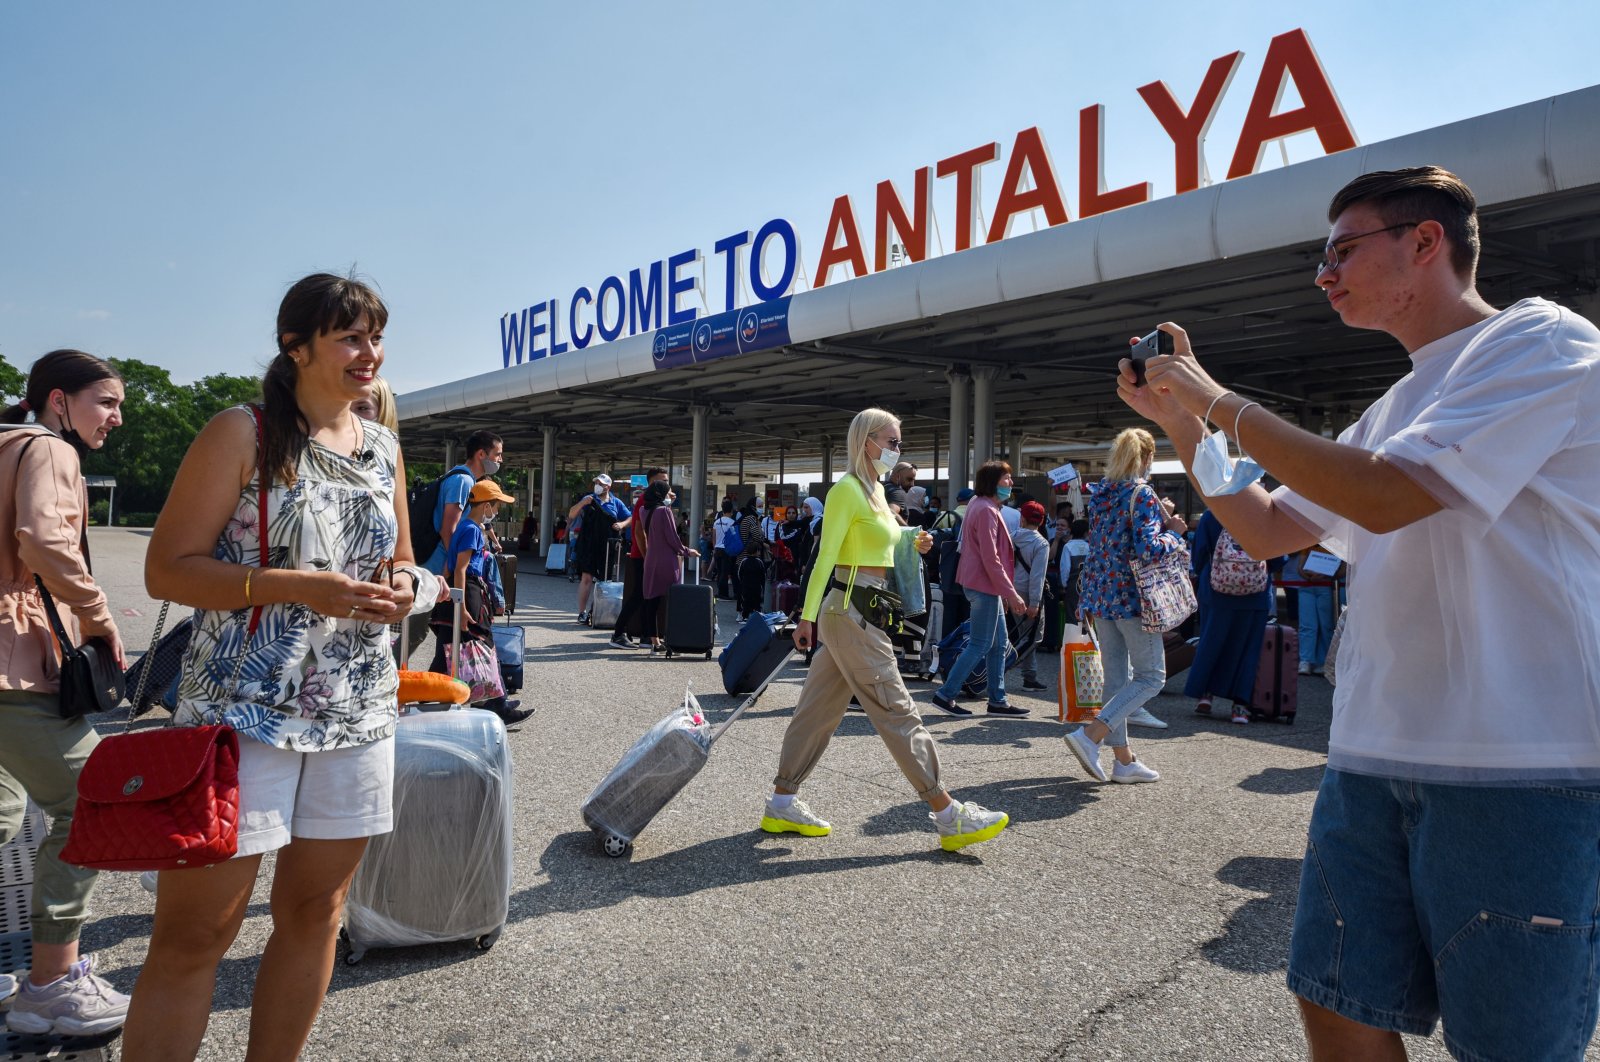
663, 557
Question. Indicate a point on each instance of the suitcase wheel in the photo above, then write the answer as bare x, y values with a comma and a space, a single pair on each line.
487, 941
614, 846
708, 654
355, 954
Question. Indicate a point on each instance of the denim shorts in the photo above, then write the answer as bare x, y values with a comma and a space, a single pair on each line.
1477, 905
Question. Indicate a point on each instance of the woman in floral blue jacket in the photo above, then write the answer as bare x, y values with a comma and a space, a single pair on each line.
1126, 520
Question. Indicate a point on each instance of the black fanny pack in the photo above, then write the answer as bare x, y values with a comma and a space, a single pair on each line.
880, 607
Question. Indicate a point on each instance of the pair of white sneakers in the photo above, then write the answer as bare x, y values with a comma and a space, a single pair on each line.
1087, 753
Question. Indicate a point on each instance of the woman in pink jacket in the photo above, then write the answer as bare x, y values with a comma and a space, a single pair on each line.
985, 577
75, 399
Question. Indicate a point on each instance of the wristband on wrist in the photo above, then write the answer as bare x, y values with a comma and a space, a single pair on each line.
248, 574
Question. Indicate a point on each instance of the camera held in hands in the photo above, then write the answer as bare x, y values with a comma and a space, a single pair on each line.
1157, 342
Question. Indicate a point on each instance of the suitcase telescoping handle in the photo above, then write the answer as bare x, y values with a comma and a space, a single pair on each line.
457, 598
755, 695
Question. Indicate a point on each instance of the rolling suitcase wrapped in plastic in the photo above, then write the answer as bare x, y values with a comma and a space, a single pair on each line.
691, 617
655, 770
606, 603
757, 651
444, 872
555, 562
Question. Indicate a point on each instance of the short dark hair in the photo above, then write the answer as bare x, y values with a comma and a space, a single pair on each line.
727, 505
1080, 528
652, 472
987, 481
482, 439
1063, 507
1419, 193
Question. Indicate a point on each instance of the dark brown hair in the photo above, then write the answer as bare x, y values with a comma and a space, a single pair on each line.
1420, 193
314, 306
481, 440
68, 371
987, 481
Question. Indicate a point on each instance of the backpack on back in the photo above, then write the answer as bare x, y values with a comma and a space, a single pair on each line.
1233, 571
423, 501
947, 547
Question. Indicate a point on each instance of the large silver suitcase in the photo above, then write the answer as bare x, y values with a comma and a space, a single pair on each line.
444, 872
605, 604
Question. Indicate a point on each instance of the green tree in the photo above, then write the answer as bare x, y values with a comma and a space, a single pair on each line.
12, 381
160, 419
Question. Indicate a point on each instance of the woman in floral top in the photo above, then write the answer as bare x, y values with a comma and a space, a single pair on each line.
1126, 520
311, 691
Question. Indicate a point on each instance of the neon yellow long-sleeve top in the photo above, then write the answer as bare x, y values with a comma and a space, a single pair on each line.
853, 534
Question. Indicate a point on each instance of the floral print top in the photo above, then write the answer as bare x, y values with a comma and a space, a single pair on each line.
308, 682
1109, 590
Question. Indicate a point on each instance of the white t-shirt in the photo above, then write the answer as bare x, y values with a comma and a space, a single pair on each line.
719, 527
1012, 518
1076, 547
1472, 649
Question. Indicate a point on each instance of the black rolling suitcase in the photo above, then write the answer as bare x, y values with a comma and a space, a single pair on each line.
508, 581
691, 617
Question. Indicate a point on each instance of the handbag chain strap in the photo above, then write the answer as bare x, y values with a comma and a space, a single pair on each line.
255, 613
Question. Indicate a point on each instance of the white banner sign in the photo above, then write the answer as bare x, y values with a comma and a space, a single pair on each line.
1063, 474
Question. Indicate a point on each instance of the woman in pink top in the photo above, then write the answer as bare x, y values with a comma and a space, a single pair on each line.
985, 577
75, 400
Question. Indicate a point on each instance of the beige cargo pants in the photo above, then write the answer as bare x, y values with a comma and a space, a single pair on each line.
856, 658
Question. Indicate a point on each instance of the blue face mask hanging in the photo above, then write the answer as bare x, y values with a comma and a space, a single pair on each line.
1002, 493
1214, 471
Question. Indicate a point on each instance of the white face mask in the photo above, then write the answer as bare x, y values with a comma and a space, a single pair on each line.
1215, 471
490, 466
886, 461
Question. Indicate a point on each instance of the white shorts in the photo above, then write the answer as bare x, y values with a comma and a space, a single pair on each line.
329, 796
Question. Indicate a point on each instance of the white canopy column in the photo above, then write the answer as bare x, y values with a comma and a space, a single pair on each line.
960, 472
547, 492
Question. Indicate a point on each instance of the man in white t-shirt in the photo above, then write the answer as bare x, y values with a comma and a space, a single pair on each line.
1454, 858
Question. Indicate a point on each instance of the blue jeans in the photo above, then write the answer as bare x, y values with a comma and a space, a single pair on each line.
1477, 904
1316, 624
1136, 669
987, 625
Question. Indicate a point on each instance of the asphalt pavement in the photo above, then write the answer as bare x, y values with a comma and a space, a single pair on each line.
1108, 922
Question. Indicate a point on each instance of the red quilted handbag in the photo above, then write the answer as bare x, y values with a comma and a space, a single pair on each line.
158, 800
169, 798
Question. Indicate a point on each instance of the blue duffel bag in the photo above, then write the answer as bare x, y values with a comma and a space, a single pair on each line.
755, 652
509, 645
954, 644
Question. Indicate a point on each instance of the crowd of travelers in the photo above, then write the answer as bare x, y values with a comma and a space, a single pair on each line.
1451, 868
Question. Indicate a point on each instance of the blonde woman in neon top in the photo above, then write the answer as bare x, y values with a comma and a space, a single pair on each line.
848, 605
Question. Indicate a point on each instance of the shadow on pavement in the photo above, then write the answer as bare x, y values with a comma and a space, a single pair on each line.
1255, 938
582, 878
1284, 780
1024, 799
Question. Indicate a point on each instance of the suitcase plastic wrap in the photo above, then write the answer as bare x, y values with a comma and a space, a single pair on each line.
650, 773
444, 872
606, 605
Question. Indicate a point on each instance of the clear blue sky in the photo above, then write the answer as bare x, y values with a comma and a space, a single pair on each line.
169, 168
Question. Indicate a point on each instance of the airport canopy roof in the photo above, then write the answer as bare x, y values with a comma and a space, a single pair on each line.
1050, 311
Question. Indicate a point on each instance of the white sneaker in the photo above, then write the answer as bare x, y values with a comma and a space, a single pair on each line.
972, 823
77, 1004
1142, 717
147, 882
1087, 752
1305, 668
1133, 771
796, 818
8, 986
